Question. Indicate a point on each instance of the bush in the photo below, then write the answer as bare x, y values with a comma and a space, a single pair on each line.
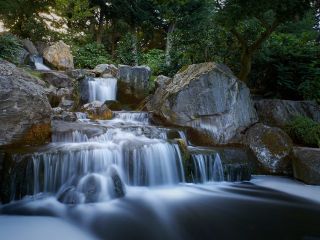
125, 50
155, 59
90, 55
10, 47
304, 130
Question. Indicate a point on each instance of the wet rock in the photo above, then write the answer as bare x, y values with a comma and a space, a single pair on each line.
133, 83
61, 129
59, 56
272, 148
119, 187
209, 99
71, 196
57, 79
114, 105
278, 113
104, 69
97, 110
84, 89
66, 104
61, 114
91, 187
56, 96
306, 165
24, 108
29, 46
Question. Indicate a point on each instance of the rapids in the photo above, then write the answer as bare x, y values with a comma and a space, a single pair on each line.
125, 178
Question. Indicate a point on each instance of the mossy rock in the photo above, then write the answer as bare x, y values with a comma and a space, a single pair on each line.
272, 148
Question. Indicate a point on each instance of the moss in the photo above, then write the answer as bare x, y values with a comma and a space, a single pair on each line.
34, 73
107, 115
36, 135
305, 131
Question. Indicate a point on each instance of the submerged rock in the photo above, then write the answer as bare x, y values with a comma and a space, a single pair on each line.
306, 165
24, 108
208, 98
272, 148
279, 113
59, 56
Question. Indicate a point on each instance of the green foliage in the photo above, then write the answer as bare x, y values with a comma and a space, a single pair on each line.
90, 55
26, 18
155, 59
288, 65
125, 50
304, 130
10, 47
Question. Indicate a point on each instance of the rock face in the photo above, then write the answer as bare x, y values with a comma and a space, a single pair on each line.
208, 98
272, 147
133, 83
161, 81
84, 89
29, 46
59, 56
57, 79
24, 108
306, 165
278, 113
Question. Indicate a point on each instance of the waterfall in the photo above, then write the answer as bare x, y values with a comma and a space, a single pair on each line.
38, 62
132, 117
102, 89
207, 167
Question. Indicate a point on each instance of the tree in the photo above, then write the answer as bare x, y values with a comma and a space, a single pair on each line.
238, 16
26, 17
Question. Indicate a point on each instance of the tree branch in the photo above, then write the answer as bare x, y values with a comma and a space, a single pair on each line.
263, 37
241, 40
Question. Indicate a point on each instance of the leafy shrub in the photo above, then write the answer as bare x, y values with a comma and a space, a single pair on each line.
10, 47
304, 130
90, 55
125, 51
155, 59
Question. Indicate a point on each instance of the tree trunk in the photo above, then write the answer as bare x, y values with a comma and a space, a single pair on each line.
100, 28
246, 63
169, 44
135, 46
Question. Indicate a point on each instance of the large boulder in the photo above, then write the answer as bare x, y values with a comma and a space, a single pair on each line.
24, 108
59, 56
306, 165
278, 113
133, 84
29, 46
272, 148
208, 98
57, 79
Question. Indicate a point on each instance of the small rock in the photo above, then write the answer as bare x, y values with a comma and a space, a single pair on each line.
97, 110
306, 165
102, 69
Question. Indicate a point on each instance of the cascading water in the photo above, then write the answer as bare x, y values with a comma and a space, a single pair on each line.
102, 89
208, 167
39, 65
124, 173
